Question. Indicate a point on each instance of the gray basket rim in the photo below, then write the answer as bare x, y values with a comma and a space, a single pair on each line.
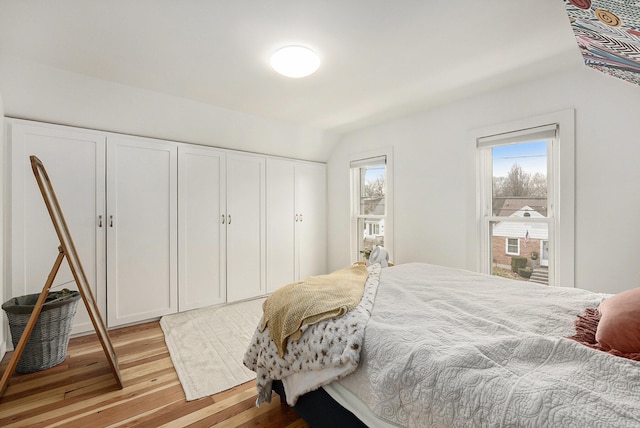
13, 305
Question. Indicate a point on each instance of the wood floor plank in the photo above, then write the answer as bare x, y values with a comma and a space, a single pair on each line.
105, 415
56, 379
298, 423
89, 403
49, 397
81, 391
161, 415
243, 416
212, 409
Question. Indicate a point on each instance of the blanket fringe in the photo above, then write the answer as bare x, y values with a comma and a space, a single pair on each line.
586, 326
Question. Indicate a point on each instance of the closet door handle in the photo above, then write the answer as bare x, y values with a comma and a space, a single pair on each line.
110, 221
300, 218
222, 218
296, 218
229, 219
100, 220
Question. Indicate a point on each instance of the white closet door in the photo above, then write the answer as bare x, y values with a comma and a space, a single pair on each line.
75, 162
141, 229
311, 228
281, 223
245, 226
201, 227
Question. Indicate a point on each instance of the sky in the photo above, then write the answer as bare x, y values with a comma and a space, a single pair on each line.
373, 173
532, 157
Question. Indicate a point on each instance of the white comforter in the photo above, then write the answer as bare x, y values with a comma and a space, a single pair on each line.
451, 348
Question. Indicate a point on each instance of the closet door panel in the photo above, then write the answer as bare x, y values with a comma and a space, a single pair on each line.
141, 229
245, 226
75, 163
311, 203
202, 227
281, 224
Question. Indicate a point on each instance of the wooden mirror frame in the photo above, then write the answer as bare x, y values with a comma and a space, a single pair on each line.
67, 248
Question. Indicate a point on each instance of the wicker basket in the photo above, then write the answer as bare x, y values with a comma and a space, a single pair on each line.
47, 345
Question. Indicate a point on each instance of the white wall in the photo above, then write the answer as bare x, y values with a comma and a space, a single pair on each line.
434, 175
3, 156
38, 92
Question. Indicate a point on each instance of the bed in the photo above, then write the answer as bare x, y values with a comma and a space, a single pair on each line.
444, 347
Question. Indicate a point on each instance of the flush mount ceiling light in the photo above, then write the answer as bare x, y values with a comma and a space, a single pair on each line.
295, 61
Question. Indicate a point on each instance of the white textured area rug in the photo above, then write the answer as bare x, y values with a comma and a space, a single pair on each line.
207, 346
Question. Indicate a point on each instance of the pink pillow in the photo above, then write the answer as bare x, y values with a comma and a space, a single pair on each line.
619, 326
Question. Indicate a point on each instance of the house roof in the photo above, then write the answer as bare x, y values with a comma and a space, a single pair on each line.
508, 206
525, 230
519, 230
375, 205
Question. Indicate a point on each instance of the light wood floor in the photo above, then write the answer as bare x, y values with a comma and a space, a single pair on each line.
81, 392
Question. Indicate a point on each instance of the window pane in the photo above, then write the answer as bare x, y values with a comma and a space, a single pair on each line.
520, 179
372, 190
526, 241
372, 233
513, 246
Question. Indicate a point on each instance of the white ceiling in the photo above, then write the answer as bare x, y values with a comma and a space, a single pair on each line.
380, 58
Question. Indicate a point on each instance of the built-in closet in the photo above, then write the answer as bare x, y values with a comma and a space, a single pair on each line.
141, 227
222, 226
296, 219
76, 163
162, 226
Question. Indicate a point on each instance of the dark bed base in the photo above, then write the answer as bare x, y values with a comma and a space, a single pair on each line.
320, 410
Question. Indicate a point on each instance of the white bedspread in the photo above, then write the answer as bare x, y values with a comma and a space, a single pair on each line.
451, 348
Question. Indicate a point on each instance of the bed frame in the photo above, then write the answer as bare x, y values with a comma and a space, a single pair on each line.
319, 409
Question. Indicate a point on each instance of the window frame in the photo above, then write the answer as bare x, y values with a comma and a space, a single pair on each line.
561, 173
547, 133
506, 247
354, 176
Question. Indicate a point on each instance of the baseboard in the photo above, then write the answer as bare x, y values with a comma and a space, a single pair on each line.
3, 349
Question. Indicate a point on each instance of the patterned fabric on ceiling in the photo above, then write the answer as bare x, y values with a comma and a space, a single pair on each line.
608, 35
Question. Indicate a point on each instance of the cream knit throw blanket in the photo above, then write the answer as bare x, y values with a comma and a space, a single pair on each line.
307, 302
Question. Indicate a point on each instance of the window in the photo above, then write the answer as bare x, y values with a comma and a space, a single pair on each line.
513, 246
518, 173
525, 191
374, 228
370, 213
